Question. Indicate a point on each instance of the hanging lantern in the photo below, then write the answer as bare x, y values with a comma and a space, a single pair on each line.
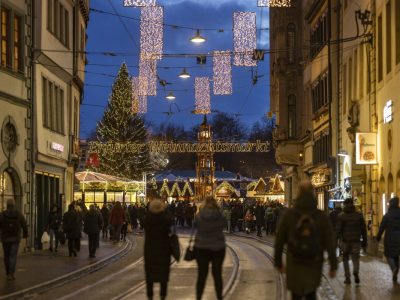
139, 3
202, 95
273, 3
147, 77
222, 68
139, 102
151, 32
244, 38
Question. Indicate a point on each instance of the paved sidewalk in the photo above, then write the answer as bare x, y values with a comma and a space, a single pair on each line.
42, 265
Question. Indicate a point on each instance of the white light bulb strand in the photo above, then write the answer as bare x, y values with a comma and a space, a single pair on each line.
244, 38
139, 102
274, 3
222, 69
139, 3
151, 32
202, 95
147, 77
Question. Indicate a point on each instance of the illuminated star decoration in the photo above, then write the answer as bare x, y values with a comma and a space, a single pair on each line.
147, 77
151, 32
222, 69
244, 38
202, 95
139, 3
139, 102
273, 3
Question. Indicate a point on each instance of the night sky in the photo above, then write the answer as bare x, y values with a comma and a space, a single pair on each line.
107, 34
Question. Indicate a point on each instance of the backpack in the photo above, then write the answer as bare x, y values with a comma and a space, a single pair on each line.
11, 226
304, 241
270, 216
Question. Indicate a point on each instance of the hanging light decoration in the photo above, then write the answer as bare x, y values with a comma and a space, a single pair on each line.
147, 77
244, 38
202, 95
222, 69
184, 74
139, 102
273, 3
198, 39
170, 96
151, 32
139, 3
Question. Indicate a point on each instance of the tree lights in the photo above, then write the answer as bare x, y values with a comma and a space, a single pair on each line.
139, 3
139, 102
244, 38
202, 95
273, 3
222, 68
151, 32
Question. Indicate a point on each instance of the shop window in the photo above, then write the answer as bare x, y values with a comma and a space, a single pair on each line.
291, 42
6, 190
321, 201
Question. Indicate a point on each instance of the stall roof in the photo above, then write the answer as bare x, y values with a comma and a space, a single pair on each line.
89, 176
176, 175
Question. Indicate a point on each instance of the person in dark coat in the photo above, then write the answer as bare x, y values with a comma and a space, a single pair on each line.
350, 228
157, 253
117, 219
72, 229
105, 214
11, 224
209, 245
304, 275
93, 222
259, 214
391, 227
54, 224
133, 215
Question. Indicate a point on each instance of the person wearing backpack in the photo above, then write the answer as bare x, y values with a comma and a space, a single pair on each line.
350, 228
269, 220
11, 223
307, 232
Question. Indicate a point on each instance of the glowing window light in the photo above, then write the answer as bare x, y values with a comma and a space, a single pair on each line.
202, 95
244, 38
148, 77
222, 68
273, 3
151, 32
139, 3
139, 102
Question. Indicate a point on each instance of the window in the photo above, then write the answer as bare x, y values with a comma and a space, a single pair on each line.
319, 93
350, 79
321, 150
291, 42
380, 53
5, 43
50, 26
46, 104
344, 94
56, 17
82, 42
397, 20
66, 20
53, 106
355, 85
361, 71
11, 40
58, 21
76, 117
62, 25
388, 38
292, 116
17, 44
319, 36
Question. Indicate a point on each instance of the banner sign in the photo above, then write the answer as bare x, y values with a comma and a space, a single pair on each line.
366, 148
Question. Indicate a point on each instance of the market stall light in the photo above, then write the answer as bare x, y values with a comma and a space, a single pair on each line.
139, 102
244, 38
198, 39
170, 96
184, 74
222, 69
202, 95
274, 3
151, 32
147, 77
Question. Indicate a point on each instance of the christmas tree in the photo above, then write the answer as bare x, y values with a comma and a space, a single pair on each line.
120, 125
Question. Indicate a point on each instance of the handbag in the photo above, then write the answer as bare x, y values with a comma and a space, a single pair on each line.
175, 247
189, 254
45, 238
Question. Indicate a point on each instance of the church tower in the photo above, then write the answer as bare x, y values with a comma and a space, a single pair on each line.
205, 166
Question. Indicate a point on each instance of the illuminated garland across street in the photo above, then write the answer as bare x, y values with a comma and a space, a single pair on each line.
147, 77
151, 32
273, 3
139, 102
244, 38
139, 3
202, 95
182, 147
222, 68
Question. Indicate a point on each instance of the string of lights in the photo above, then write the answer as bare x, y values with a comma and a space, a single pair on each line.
148, 77
244, 38
151, 32
139, 3
202, 95
274, 3
139, 102
222, 69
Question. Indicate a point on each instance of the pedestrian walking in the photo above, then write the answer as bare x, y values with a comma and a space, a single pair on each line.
105, 214
228, 215
117, 219
307, 233
269, 221
209, 245
259, 214
350, 229
248, 221
11, 224
72, 229
157, 251
391, 227
54, 224
127, 221
92, 224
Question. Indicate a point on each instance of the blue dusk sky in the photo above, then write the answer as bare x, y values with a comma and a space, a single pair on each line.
106, 33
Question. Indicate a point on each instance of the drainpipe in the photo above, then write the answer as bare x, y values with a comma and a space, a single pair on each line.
338, 11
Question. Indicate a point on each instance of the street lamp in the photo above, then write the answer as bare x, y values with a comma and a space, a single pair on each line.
170, 96
198, 39
184, 74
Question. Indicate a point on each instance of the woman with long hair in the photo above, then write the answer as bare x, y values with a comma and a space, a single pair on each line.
209, 245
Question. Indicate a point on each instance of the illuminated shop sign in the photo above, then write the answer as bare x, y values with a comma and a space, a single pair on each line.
57, 147
366, 148
388, 112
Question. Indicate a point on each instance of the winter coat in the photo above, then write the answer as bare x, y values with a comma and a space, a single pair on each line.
72, 225
157, 251
93, 222
210, 224
12, 216
117, 216
227, 214
54, 220
259, 214
304, 277
105, 213
351, 226
391, 226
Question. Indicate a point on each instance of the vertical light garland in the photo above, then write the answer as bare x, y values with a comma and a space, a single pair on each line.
222, 69
202, 95
273, 3
139, 102
244, 38
139, 3
147, 77
151, 32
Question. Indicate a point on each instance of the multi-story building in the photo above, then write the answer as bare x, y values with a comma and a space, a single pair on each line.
58, 65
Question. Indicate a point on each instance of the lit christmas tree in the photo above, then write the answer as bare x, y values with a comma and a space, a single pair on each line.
120, 125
